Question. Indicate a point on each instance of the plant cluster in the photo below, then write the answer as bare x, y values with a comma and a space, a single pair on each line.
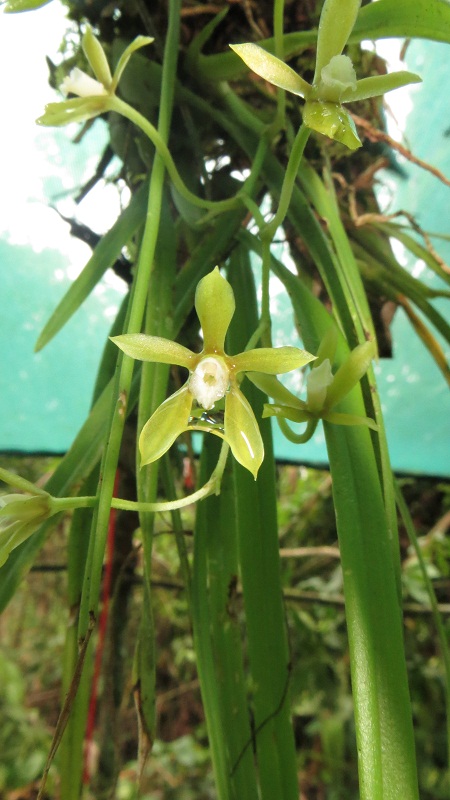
221, 162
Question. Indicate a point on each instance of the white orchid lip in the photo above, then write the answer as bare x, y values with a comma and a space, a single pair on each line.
209, 382
337, 77
79, 83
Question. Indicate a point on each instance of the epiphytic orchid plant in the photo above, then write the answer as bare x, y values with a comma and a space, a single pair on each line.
204, 122
334, 82
214, 375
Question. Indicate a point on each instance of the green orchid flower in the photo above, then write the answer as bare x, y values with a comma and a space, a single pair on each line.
20, 516
334, 81
94, 95
214, 376
324, 390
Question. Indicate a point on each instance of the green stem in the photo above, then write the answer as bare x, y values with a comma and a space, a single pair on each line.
288, 183
266, 322
68, 503
297, 438
278, 27
127, 111
125, 365
212, 486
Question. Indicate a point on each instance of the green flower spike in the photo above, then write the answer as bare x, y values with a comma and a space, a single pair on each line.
324, 390
93, 94
213, 376
20, 516
334, 81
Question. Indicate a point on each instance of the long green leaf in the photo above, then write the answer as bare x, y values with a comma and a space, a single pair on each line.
71, 755
217, 636
425, 19
103, 257
410, 242
255, 508
380, 688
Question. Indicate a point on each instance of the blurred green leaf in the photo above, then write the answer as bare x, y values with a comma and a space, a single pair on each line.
103, 257
426, 19
14, 6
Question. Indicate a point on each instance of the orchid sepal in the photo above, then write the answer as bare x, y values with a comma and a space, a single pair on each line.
96, 56
215, 306
156, 349
271, 360
350, 373
77, 109
271, 386
336, 23
337, 418
271, 68
136, 44
294, 414
242, 432
376, 85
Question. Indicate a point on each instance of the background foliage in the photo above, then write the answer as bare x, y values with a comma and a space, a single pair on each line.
33, 630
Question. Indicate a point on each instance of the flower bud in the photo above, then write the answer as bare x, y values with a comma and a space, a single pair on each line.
20, 516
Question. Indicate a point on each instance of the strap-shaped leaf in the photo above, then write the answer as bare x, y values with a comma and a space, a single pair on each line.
103, 257
426, 19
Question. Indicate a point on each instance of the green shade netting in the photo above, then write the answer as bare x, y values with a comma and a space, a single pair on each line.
45, 397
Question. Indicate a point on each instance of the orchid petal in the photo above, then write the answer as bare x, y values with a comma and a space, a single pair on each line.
136, 44
350, 373
332, 120
271, 360
242, 432
214, 303
272, 69
379, 84
155, 348
169, 420
335, 26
